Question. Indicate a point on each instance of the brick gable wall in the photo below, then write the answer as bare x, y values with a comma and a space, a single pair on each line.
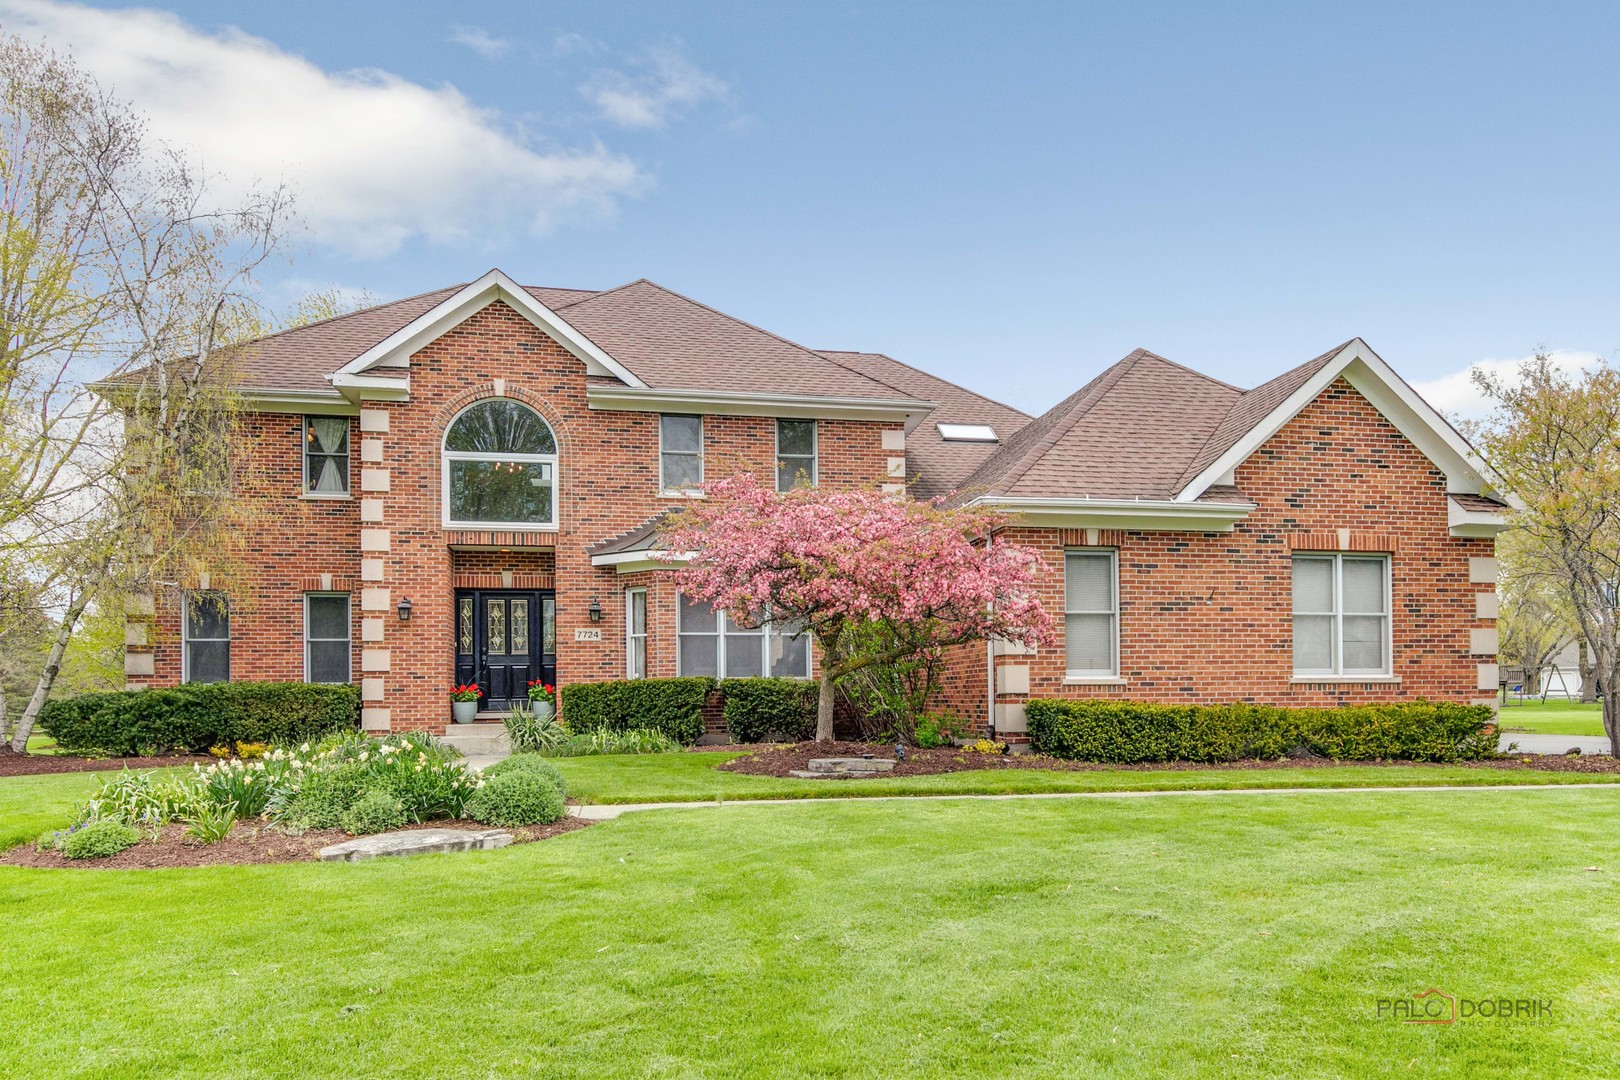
1207, 617
608, 481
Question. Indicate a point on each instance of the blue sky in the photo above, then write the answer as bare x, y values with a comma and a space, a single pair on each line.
1010, 195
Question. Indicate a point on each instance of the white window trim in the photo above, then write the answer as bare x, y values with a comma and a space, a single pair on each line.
348, 639
1092, 675
447, 456
815, 450
348, 461
665, 489
630, 634
186, 639
1339, 672
719, 634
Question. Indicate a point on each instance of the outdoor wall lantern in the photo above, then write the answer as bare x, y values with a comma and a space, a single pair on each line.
404, 609
596, 610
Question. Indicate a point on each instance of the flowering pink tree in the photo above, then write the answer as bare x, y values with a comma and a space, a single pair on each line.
833, 561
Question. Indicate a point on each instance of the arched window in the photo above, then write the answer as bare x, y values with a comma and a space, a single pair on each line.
500, 467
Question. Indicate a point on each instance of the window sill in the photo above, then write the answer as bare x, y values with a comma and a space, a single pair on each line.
681, 495
312, 496
1099, 680
498, 526
1392, 680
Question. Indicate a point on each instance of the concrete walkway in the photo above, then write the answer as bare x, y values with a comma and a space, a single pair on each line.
1554, 744
607, 811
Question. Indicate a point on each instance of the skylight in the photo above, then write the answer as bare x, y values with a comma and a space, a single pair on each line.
967, 432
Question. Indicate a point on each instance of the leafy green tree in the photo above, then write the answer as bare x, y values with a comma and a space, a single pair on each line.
1554, 438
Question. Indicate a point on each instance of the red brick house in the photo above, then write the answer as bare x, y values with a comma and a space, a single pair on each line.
1323, 538
465, 486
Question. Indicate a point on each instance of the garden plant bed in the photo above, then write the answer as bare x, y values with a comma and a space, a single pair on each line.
249, 843
785, 760
12, 764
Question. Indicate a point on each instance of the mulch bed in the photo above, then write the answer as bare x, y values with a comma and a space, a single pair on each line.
249, 843
12, 764
780, 760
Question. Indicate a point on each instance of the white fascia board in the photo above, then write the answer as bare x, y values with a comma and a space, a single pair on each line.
395, 350
254, 399
1474, 523
728, 403
634, 562
372, 387
1152, 515
1466, 472
309, 402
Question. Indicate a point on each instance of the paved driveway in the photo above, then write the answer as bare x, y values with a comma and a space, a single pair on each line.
1555, 744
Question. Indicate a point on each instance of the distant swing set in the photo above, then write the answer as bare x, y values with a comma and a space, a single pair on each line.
1512, 685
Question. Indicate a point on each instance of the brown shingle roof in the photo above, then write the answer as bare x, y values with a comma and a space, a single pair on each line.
1252, 407
670, 341
1129, 433
933, 466
1479, 503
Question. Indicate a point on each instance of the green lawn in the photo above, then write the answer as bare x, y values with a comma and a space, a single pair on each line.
1135, 937
31, 804
690, 777
1554, 718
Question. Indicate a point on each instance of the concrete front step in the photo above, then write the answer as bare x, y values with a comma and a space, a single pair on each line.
478, 740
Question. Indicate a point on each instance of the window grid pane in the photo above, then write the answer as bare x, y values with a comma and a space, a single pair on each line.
1341, 615
1091, 613
207, 644
709, 643
680, 443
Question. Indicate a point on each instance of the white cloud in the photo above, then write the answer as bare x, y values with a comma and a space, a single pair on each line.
660, 86
376, 159
481, 41
1457, 396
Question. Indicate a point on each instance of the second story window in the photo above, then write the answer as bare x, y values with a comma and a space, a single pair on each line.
680, 453
500, 465
795, 454
326, 455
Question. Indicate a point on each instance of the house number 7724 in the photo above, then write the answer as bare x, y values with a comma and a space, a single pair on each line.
588, 633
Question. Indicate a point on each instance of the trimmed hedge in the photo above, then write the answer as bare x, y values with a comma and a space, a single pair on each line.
197, 716
760, 709
673, 707
1122, 732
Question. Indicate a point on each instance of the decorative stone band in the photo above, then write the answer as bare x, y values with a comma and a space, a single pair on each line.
1091, 537
325, 583
509, 580
484, 538
1342, 540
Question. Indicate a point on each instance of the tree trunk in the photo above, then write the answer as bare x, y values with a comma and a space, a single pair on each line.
1588, 674
53, 664
824, 709
1611, 722
5, 718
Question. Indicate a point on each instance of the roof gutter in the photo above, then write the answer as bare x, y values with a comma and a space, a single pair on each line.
731, 403
1155, 515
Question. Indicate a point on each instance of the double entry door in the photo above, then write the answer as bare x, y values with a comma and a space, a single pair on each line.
504, 639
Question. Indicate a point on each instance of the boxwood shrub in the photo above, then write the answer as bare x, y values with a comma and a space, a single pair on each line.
1121, 732
199, 715
759, 709
673, 707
